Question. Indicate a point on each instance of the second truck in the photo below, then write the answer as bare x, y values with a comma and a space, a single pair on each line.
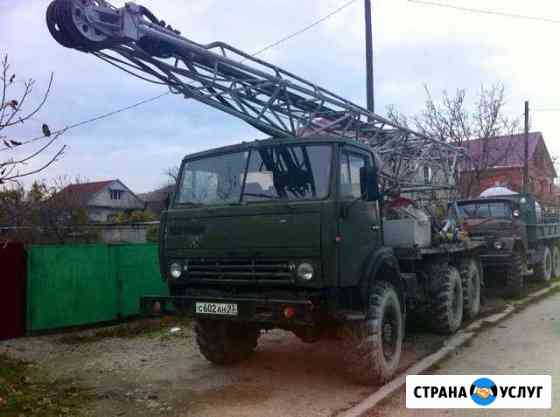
332, 225
522, 239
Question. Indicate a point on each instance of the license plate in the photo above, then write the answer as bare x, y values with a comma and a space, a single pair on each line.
216, 308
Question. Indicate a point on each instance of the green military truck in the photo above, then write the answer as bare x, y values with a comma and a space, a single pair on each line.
290, 232
522, 239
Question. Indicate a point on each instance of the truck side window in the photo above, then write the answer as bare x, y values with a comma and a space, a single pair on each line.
350, 164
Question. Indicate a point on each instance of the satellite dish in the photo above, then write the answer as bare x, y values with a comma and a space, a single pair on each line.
497, 192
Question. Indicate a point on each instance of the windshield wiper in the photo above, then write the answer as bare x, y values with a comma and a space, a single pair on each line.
271, 197
190, 204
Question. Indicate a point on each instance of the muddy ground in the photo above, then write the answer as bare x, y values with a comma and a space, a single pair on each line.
144, 368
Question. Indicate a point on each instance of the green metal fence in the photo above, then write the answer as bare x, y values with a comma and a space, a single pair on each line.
74, 285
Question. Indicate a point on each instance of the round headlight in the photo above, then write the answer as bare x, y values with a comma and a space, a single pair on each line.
175, 270
305, 271
498, 245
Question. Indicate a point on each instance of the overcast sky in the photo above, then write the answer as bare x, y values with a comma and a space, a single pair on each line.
413, 45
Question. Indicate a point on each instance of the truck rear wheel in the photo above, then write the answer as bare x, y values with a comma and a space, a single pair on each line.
447, 299
555, 261
373, 346
225, 342
471, 281
515, 279
543, 270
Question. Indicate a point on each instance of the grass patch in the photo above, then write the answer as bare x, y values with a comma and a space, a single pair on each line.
526, 302
21, 395
146, 327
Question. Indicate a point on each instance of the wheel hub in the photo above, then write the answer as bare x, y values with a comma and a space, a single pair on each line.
389, 334
79, 17
455, 300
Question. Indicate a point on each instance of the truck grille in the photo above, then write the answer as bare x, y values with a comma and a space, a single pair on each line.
239, 269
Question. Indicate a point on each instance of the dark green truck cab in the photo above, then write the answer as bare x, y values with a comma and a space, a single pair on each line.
288, 233
521, 236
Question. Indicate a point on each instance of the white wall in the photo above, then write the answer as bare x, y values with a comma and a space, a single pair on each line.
127, 202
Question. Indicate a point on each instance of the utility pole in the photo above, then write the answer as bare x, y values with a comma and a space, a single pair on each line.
526, 154
369, 58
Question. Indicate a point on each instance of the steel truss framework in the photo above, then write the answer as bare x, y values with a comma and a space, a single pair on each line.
274, 101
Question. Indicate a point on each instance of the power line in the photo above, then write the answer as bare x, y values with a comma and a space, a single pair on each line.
305, 29
486, 11
148, 100
93, 119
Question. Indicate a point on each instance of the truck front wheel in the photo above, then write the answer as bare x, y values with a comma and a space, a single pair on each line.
225, 342
471, 280
555, 261
373, 346
515, 278
447, 299
543, 270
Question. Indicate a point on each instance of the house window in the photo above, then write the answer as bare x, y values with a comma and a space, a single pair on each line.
116, 194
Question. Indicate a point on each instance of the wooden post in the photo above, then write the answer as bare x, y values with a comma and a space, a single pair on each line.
369, 58
526, 154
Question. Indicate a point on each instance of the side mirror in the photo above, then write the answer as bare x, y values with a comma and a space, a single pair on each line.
169, 199
368, 183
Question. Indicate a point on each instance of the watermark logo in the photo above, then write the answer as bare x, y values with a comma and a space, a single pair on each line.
479, 391
483, 391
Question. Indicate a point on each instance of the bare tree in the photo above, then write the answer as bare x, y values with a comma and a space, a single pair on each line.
46, 213
172, 174
451, 120
61, 213
14, 163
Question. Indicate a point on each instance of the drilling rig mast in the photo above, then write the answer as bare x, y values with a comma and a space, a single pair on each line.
273, 100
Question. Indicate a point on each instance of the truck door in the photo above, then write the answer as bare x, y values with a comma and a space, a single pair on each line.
359, 225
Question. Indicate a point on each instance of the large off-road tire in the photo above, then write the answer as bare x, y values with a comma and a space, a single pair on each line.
446, 303
373, 346
543, 270
225, 342
555, 261
515, 276
471, 279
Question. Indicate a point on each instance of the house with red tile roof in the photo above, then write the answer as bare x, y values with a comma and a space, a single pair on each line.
101, 199
499, 161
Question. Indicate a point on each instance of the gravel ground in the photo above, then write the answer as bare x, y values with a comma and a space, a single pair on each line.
162, 373
143, 369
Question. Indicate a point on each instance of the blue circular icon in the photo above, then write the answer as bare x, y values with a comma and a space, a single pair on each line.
483, 391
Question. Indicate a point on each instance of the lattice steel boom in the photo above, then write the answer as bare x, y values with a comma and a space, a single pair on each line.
275, 101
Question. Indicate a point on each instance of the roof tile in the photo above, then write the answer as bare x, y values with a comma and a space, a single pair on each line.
79, 194
502, 151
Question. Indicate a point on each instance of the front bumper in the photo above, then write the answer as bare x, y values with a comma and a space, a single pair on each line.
265, 311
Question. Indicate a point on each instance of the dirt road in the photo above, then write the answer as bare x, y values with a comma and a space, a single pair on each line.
152, 373
144, 369
526, 343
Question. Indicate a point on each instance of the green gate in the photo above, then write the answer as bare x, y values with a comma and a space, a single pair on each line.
73, 285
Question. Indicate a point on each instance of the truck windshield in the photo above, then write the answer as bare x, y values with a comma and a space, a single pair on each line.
483, 210
280, 172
